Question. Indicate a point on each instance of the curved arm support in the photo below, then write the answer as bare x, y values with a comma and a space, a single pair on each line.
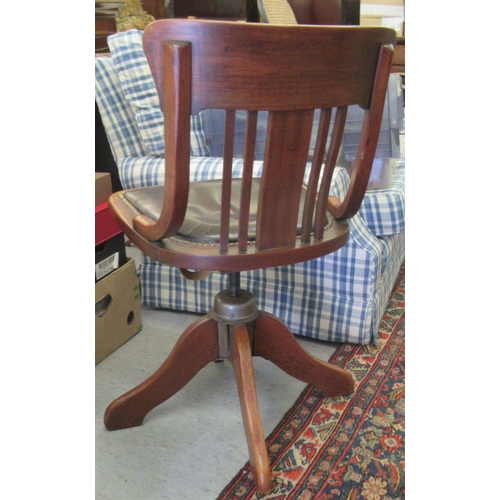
176, 106
361, 170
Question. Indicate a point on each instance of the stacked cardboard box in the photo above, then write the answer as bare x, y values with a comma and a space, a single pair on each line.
117, 310
109, 240
117, 294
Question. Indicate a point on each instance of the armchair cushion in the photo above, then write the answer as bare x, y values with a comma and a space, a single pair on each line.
140, 91
116, 114
383, 210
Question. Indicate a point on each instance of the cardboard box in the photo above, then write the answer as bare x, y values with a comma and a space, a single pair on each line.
103, 189
117, 310
109, 239
109, 256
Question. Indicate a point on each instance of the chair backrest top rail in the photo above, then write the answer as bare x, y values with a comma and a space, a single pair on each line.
344, 55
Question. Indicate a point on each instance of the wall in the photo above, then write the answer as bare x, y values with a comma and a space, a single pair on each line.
390, 13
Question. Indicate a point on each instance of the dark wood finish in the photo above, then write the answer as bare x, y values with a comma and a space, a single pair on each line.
282, 187
217, 9
331, 160
341, 73
196, 347
103, 28
280, 86
177, 143
276, 343
243, 66
154, 7
250, 141
317, 11
225, 205
360, 171
241, 358
326, 12
317, 161
105, 23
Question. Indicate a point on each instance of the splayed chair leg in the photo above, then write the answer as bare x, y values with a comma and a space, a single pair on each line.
217, 336
241, 358
196, 347
276, 343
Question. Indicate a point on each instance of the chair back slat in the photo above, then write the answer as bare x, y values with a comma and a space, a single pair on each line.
317, 162
227, 169
285, 158
246, 189
331, 160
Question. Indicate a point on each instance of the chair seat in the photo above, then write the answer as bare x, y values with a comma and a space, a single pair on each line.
199, 233
202, 221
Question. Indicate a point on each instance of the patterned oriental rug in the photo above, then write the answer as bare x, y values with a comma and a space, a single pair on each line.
348, 447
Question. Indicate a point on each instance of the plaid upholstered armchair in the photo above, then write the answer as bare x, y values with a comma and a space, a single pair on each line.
338, 298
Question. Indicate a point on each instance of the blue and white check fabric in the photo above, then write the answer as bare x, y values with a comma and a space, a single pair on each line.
140, 91
116, 114
340, 297
384, 209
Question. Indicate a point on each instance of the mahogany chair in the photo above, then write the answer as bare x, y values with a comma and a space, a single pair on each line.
233, 225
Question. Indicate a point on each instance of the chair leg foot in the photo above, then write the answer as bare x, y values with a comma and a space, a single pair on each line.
241, 358
276, 343
196, 347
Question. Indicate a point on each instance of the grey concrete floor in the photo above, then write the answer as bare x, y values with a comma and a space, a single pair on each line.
192, 445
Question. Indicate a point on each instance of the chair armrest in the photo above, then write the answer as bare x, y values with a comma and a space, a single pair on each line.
361, 169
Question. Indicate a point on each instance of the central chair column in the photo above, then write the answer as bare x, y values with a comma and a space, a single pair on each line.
235, 312
232, 307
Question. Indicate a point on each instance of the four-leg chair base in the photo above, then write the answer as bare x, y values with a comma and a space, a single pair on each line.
207, 340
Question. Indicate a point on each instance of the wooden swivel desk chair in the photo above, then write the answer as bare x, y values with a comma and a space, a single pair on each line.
234, 225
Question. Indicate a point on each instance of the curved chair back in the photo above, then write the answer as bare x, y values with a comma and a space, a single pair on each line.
288, 71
